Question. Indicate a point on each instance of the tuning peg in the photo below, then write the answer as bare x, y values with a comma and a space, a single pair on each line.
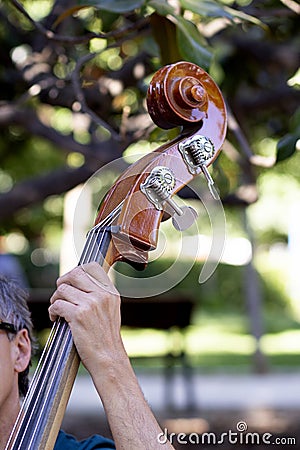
182, 217
158, 188
197, 153
210, 183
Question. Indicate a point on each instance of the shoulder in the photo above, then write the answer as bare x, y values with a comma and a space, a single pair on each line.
67, 442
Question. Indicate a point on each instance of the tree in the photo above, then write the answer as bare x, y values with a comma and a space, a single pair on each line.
74, 77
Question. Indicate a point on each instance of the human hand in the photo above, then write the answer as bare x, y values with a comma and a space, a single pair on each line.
86, 298
89, 302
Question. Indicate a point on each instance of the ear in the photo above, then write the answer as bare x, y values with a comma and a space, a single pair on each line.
22, 351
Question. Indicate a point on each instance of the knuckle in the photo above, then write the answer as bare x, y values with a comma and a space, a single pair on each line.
81, 314
108, 301
55, 308
79, 271
91, 303
62, 288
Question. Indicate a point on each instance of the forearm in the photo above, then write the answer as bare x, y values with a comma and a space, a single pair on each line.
131, 421
90, 304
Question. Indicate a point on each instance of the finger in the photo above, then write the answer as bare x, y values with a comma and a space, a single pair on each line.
61, 308
86, 276
67, 293
76, 277
98, 276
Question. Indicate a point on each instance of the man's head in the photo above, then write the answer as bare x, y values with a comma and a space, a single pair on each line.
14, 312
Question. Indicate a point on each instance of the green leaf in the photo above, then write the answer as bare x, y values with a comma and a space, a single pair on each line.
117, 6
221, 179
205, 8
210, 8
162, 7
286, 147
246, 17
191, 44
295, 122
164, 32
67, 13
113, 6
160, 135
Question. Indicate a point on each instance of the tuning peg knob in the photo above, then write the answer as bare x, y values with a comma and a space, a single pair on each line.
186, 220
182, 217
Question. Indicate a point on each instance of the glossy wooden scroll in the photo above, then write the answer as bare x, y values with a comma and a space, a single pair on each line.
181, 93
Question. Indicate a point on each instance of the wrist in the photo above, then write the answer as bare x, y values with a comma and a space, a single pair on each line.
115, 379
109, 365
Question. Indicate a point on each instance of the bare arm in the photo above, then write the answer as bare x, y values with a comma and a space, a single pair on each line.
89, 302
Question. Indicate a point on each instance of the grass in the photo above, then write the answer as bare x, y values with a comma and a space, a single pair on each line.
216, 342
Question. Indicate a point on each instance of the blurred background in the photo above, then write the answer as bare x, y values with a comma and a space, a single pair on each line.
73, 84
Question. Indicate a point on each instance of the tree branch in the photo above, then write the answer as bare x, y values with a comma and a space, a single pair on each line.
95, 152
33, 191
64, 39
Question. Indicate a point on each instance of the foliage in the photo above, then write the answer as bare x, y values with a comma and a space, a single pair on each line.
224, 291
73, 81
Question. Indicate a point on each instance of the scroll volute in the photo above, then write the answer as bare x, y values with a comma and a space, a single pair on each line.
179, 94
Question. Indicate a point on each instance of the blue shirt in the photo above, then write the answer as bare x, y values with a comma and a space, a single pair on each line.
67, 442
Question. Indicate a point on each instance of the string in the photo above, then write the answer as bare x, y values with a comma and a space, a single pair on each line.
87, 252
54, 348
52, 356
87, 255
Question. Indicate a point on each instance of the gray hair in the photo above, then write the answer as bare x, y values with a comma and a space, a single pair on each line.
14, 309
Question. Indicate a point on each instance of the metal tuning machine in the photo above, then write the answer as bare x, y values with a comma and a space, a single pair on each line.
158, 188
197, 153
